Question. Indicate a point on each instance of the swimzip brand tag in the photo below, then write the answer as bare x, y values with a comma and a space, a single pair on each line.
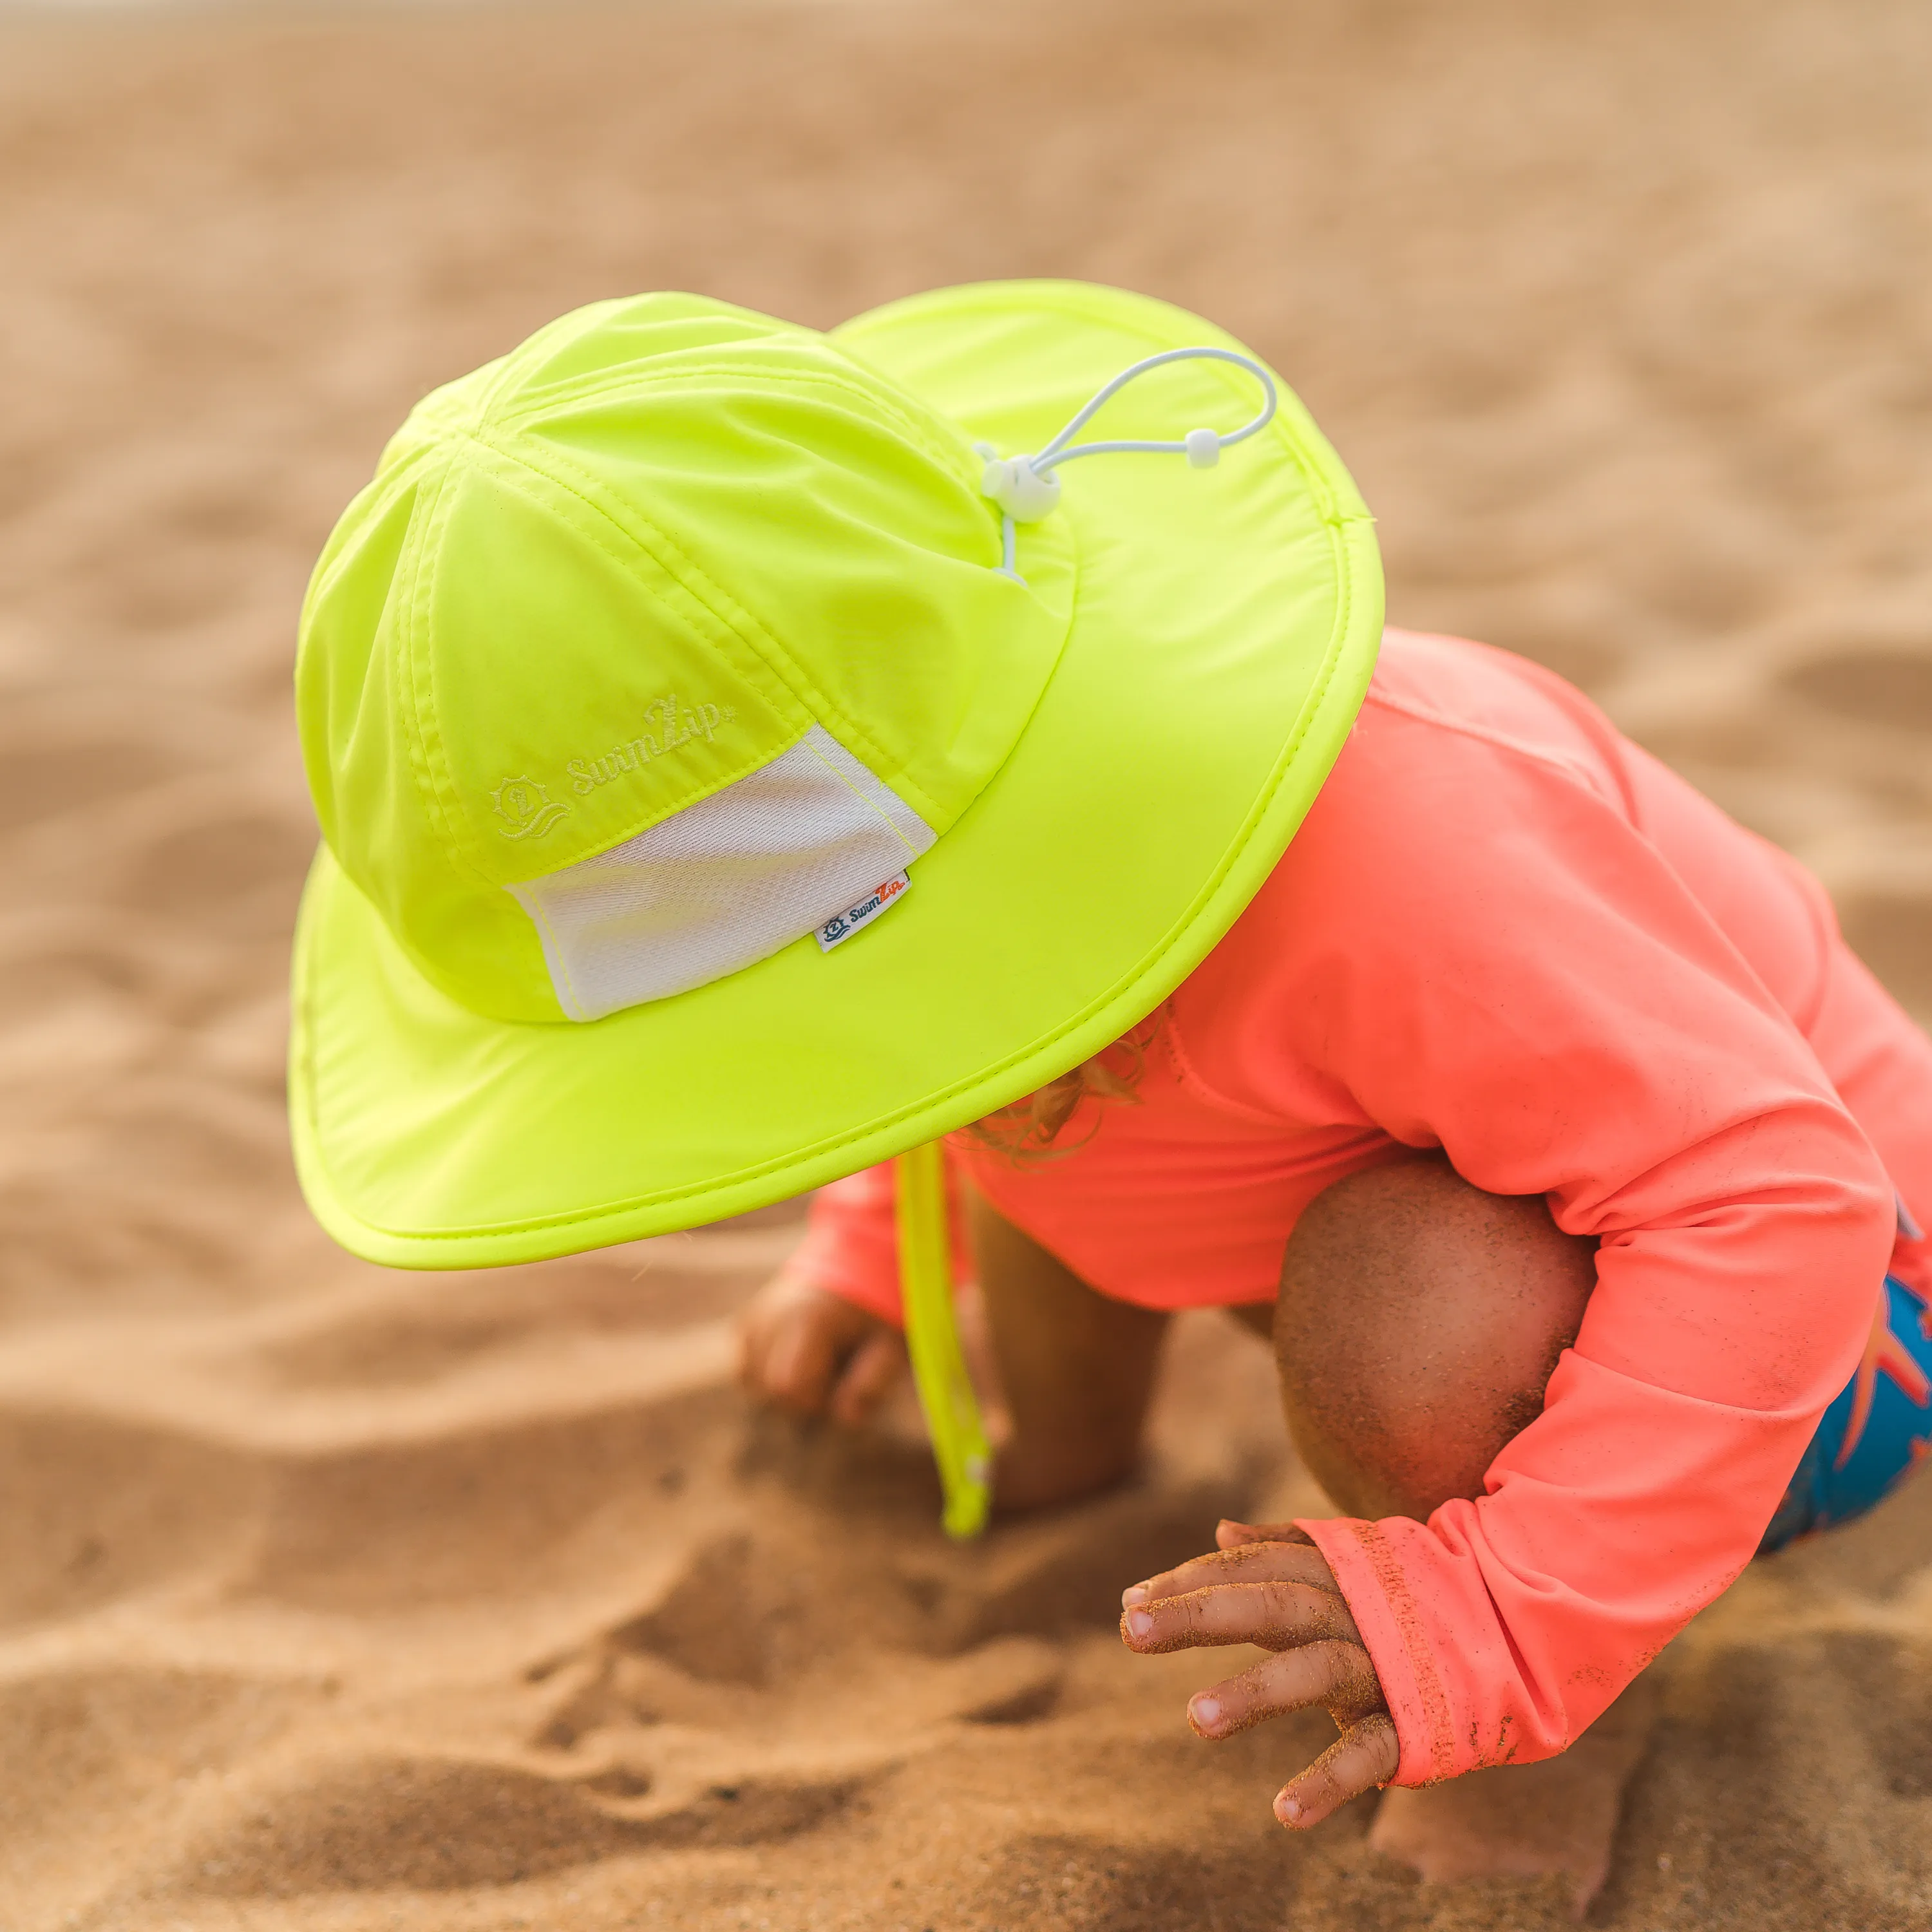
837, 930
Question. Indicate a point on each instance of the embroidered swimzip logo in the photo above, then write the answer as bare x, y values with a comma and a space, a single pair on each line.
841, 926
526, 809
667, 725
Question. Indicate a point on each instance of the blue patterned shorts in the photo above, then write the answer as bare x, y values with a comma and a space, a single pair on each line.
1878, 1429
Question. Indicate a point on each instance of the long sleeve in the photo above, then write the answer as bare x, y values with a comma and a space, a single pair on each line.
1485, 954
1504, 933
851, 1240
851, 1243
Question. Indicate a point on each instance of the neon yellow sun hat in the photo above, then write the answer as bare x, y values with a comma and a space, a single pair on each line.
721, 791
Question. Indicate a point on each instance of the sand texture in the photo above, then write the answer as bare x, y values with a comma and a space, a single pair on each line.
335, 1599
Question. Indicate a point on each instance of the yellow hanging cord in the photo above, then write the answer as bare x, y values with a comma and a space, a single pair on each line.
959, 1445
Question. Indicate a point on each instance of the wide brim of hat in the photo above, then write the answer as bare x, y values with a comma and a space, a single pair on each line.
1225, 626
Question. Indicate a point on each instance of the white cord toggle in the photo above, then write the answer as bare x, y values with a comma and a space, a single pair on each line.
1203, 449
1026, 489
1019, 489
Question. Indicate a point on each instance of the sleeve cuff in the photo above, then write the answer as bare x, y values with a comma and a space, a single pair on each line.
826, 1259
1395, 1633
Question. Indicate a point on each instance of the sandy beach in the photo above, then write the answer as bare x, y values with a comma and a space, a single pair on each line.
334, 1600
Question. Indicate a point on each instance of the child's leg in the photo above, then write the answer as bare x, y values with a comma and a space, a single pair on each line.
1418, 1323
1076, 1368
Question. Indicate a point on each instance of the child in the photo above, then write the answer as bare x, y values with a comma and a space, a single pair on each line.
1538, 1110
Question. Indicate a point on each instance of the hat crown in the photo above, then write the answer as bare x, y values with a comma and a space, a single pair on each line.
643, 557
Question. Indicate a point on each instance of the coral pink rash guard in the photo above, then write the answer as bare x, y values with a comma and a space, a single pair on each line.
1506, 932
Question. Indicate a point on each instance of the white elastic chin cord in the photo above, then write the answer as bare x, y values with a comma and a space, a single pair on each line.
1026, 489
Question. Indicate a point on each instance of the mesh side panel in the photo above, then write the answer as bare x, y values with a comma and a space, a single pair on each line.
723, 884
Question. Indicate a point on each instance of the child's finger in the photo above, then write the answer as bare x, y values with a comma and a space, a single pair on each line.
1332, 1673
1273, 1615
1250, 1563
868, 1377
1365, 1755
1229, 1535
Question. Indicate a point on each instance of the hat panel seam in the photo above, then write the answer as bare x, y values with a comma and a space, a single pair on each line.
569, 328
522, 420
466, 844
698, 788
325, 579
776, 661
419, 671
575, 324
854, 792
1311, 708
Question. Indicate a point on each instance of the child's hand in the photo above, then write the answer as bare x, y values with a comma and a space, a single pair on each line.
1262, 1588
804, 1349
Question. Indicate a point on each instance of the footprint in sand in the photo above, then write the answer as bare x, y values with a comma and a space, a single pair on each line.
716, 1621
746, 1636
1066, 1572
740, 1613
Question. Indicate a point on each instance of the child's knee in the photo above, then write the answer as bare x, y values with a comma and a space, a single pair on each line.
1418, 1323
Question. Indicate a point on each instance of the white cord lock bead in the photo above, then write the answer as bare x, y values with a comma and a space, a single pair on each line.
1019, 489
1026, 488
